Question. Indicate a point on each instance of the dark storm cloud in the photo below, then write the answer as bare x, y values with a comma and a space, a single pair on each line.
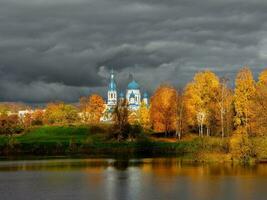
63, 49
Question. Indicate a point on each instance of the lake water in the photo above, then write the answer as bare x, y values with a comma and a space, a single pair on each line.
134, 179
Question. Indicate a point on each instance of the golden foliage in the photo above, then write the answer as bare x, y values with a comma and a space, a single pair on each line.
258, 106
92, 108
133, 118
163, 109
60, 113
143, 115
240, 145
200, 97
96, 107
243, 98
37, 117
9, 124
263, 78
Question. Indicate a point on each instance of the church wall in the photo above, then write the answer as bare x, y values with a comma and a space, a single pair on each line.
136, 93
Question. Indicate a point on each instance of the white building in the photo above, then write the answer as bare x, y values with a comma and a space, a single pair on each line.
22, 113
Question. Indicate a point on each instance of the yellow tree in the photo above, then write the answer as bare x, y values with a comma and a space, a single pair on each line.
228, 124
27, 120
3, 109
224, 100
37, 117
84, 108
60, 113
259, 105
263, 78
133, 118
200, 97
163, 109
96, 107
243, 99
143, 115
180, 113
54, 113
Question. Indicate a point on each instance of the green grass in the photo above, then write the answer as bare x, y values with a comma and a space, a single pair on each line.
46, 140
93, 141
50, 134
68, 140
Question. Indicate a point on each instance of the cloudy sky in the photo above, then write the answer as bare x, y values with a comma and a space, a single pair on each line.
63, 49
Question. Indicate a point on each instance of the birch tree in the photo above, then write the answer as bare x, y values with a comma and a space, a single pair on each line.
243, 98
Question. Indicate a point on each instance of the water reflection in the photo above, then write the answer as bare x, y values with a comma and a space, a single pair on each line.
166, 178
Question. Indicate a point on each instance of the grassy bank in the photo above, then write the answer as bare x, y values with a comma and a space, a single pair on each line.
93, 141
67, 140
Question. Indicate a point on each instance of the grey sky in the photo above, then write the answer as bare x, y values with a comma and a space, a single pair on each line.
63, 49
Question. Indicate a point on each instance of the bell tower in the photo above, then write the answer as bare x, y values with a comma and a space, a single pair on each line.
112, 91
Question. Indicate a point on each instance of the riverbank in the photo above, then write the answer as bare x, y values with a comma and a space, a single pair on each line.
93, 141
84, 140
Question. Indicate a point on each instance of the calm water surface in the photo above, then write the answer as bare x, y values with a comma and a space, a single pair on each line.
135, 179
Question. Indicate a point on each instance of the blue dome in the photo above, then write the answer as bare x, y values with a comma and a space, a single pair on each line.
121, 95
133, 85
145, 95
132, 95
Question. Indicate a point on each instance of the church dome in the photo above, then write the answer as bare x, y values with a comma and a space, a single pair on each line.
133, 85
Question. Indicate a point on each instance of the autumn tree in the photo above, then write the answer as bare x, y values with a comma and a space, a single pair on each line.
259, 105
37, 117
163, 109
8, 108
120, 127
133, 118
263, 77
243, 99
143, 115
84, 108
27, 120
3, 109
10, 125
96, 107
229, 113
60, 113
92, 108
33, 118
200, 98
224, 100
180, 113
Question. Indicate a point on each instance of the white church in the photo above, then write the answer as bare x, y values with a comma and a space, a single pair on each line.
133, 96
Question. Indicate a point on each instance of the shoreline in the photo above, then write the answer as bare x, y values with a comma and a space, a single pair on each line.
91, 142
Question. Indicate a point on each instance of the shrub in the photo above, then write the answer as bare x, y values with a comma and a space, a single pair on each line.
215, 144
259, 147
127, 132
10, 125
135, 131
98, 129
241, 146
